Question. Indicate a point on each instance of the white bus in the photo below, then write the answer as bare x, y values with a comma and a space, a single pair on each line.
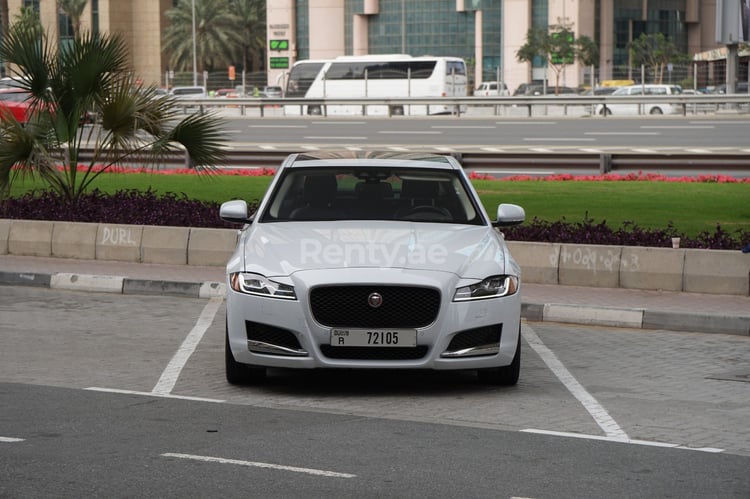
376, 76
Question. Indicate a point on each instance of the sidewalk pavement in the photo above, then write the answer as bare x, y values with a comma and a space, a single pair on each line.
642, 309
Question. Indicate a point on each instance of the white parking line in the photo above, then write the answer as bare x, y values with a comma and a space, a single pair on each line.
168, 378
647, 443
11, 440
152, 394
221, 460
595, 409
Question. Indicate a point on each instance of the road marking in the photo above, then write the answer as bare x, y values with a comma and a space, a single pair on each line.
10, 440
409, 132
221, 460
679, 127
168, 379
621, 133
268, 147
339, 122
352, 148
711, 122
491, 149
335, 138
526, 123
601, 416
277, 126
556, 139
152, 394
468, 127
649, 443
400, 149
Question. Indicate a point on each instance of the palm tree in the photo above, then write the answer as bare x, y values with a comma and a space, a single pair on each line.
250, 21
216, 37
74, 10
28, 18
91, 76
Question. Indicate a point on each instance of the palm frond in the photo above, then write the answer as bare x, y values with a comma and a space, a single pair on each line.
202, 137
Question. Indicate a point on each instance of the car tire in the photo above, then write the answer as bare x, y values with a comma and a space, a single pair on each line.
506, 375
656, 110
240, 374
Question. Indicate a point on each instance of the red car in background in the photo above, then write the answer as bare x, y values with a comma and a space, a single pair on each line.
16, 101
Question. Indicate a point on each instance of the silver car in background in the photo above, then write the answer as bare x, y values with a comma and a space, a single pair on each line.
372, 261
637, 108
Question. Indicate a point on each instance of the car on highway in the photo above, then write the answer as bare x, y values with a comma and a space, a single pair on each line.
492, 89
373, 261
271, 92
195, 92
636, 107
16, 102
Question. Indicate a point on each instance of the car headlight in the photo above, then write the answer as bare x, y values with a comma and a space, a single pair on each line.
256, 284
492, 287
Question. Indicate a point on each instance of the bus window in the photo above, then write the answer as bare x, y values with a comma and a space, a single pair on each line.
301, 77
455, 67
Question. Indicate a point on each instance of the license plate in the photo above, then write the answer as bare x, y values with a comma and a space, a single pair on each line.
373, 337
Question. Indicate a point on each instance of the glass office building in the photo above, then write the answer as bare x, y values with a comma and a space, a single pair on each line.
488, 33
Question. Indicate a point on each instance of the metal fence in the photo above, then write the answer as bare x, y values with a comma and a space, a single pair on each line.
215, 80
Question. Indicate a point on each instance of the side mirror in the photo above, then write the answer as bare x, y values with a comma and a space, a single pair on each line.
234, 212
509, 215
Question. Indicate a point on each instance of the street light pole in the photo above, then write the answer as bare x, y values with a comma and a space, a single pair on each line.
195, 54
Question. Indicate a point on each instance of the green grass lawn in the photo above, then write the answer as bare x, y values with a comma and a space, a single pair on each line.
690, 207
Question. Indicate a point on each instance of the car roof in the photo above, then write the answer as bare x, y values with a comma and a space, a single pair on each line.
372, 159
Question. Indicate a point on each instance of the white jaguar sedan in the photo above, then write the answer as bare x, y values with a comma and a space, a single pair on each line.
372, 261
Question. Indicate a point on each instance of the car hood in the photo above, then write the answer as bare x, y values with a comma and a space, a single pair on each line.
281, 249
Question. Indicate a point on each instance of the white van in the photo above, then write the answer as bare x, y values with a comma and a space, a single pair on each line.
492, 89
649, 107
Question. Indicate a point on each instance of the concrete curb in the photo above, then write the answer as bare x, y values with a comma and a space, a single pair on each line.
114, 284
536, 312
636, 318
600, 266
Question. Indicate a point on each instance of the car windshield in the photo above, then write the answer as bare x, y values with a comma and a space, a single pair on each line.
357, 193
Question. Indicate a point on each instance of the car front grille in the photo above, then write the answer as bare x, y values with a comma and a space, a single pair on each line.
349, 306
374, 353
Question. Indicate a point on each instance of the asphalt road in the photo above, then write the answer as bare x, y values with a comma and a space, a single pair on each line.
699, 135
123, 395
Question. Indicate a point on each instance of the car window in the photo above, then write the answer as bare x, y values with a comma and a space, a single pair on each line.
350, 193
